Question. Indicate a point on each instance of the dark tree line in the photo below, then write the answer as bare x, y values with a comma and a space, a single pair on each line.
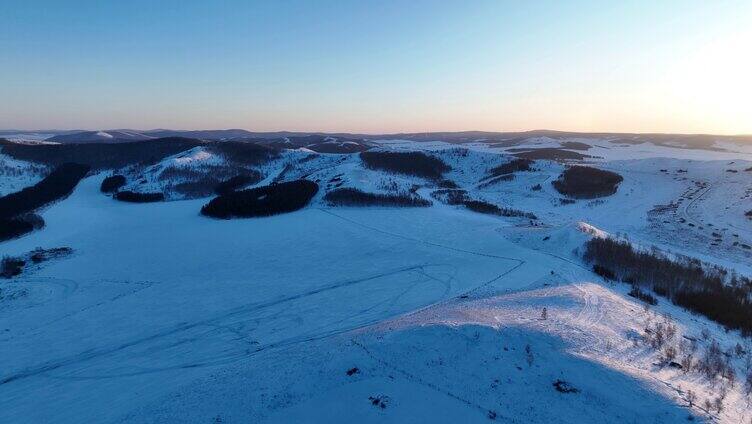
16, 209
461, 198
583, 182
112, 183
57, 185
417, 164
262, 201
135, 197
515, 165
709, 290
354, 197
481, 206
100, 155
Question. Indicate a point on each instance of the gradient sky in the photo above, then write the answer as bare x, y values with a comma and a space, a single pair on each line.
377, 66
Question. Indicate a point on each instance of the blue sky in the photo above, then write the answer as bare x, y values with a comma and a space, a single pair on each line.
368, 66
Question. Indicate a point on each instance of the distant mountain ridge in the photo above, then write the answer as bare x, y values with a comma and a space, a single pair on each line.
358, 142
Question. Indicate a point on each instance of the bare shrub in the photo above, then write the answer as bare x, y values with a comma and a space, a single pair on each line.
529, 358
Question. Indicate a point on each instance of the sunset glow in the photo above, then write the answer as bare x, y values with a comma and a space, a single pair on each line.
674, 66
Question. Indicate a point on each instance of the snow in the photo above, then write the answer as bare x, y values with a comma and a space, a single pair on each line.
162, 315
197, 154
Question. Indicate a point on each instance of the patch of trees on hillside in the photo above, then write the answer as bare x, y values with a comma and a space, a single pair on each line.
243, 153
515, 165
417, 164
262, 201
57, 185
16, 209
583, 182
353, 197
135, 197
702, 288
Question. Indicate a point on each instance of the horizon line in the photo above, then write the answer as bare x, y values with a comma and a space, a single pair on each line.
74, 130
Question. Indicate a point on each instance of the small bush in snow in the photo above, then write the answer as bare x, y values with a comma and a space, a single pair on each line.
529, 358
564, 387
642, 295
11, 267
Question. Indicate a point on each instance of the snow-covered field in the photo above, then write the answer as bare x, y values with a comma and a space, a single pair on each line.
368, 314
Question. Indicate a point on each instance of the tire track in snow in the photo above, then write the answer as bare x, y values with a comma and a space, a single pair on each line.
245, 309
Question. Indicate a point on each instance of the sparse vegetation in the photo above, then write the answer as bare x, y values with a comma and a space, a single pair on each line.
40, 255
354, 197
450, 196
417, 164
460, 197
646, 297
13, 266
262, 201
584, 182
